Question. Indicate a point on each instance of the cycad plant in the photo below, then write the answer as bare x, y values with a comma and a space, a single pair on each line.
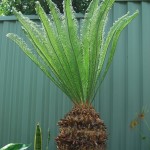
73, 58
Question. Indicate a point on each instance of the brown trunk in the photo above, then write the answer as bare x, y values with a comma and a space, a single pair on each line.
82, 129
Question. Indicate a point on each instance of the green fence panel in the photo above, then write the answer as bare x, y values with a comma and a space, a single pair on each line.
28, 97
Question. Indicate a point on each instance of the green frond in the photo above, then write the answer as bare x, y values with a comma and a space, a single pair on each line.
29, 53
84, 42
62, 29
112, 38
72, 58
115, 38
91, 43
53, 39
71, 26
88, 15
36, 59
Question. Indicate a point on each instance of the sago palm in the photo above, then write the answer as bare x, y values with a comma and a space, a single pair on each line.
73, 58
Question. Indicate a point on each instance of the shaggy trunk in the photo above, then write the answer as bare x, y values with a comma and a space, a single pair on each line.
82, 129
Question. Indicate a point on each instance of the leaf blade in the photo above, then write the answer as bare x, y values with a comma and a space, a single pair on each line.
15, 146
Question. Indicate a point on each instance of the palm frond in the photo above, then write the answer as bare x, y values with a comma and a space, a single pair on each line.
72, 58
37, 60
88, 15
113, 34
71, 26
62, 29
112, 38
91, 43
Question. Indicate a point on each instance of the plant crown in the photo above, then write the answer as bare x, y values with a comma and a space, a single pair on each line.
72, 58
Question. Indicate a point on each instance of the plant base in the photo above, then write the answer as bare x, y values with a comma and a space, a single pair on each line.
82, 129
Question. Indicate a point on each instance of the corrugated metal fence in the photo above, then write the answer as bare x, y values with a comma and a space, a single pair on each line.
28, 97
